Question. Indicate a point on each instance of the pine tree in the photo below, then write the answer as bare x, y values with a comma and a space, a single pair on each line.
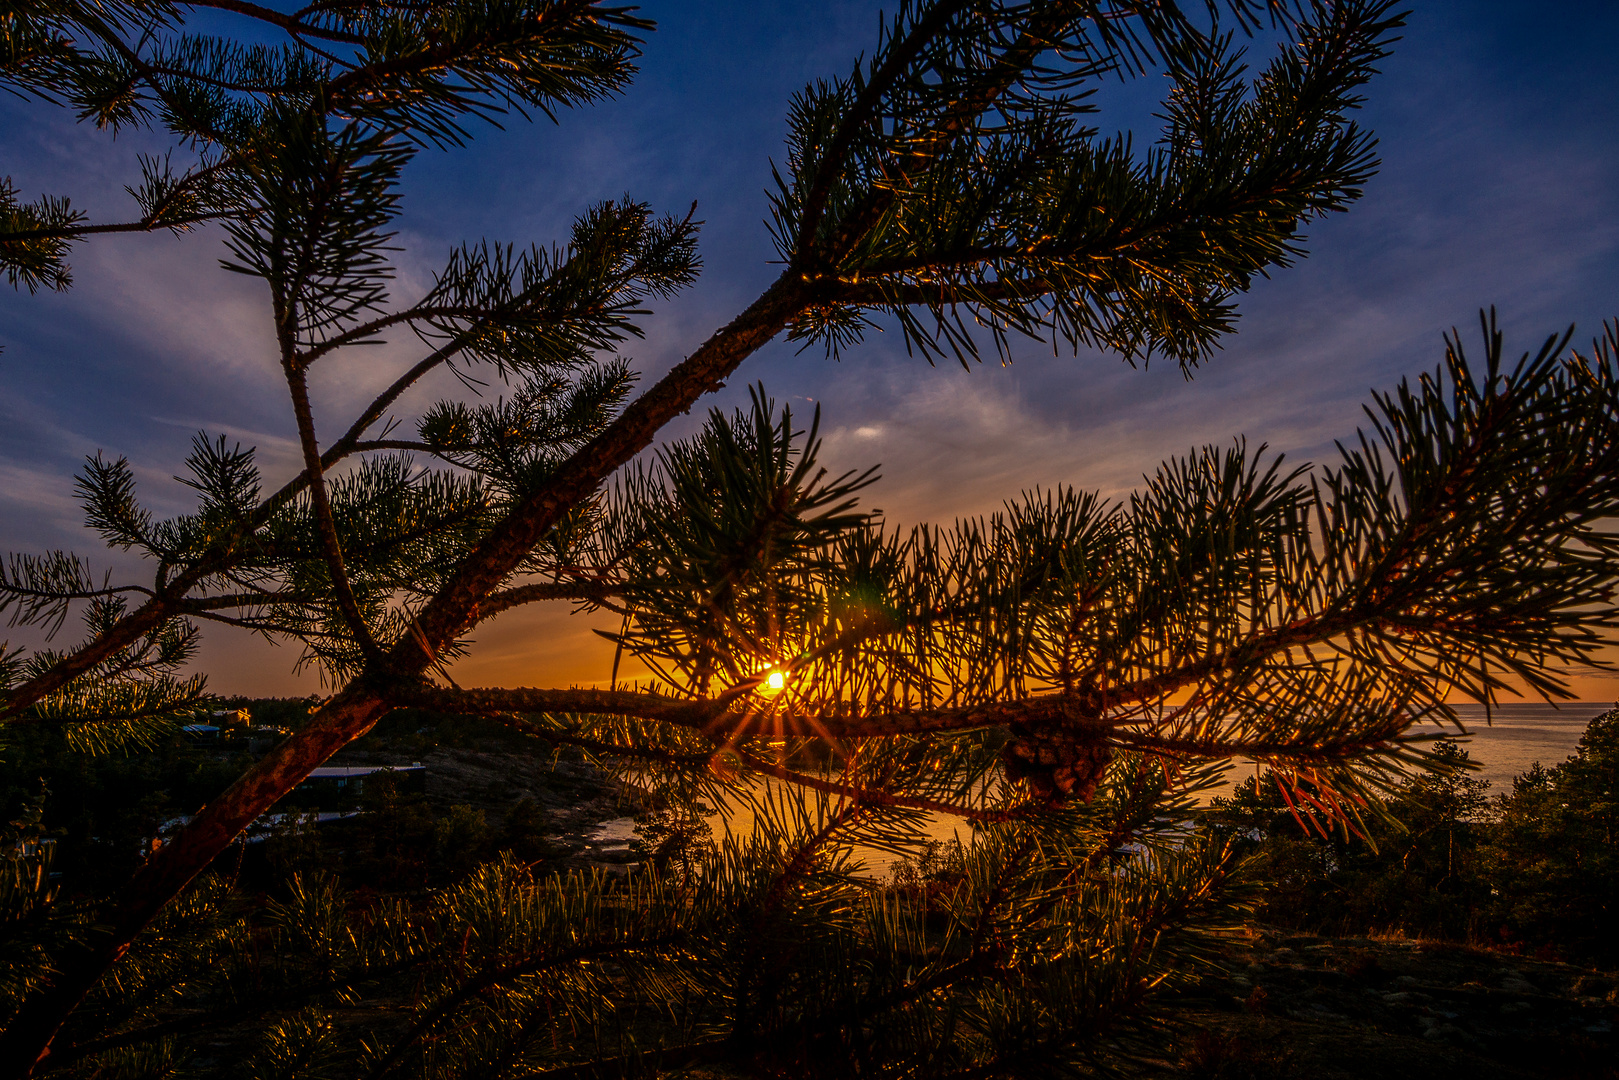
1063, 675
1552, 859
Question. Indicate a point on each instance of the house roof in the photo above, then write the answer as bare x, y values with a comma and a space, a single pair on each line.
349, 772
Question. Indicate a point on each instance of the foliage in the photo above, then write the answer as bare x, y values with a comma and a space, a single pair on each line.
1553, 854
33, 923
826, 977
1529, 869
675, 838
1064, 675
103, 810
1418, 868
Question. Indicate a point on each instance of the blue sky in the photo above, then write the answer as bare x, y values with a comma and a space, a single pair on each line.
1500, 185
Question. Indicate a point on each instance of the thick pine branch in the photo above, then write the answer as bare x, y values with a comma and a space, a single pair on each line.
721, 716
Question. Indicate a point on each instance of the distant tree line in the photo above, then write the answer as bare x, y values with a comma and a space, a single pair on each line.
1532, 869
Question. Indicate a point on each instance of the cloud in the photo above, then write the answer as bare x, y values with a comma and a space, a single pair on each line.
1500, 185
540, 645
38, 506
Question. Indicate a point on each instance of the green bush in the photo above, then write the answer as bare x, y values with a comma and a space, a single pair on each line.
524, 833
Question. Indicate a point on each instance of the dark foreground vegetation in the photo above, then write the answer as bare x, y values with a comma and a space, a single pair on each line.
1460, 935
486, 790
1533, 871
1296, 1005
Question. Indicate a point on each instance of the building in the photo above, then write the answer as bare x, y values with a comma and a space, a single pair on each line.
338, 785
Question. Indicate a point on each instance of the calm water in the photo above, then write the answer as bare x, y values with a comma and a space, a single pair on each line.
1519, 735
1522, 734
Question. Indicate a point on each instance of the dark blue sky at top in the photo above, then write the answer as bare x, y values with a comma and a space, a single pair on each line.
1500, 185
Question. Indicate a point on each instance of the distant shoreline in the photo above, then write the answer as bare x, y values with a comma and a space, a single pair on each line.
1522, 733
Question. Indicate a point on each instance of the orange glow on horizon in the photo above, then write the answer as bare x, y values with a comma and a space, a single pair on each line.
548, 645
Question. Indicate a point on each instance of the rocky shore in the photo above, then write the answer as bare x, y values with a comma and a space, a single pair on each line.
588, 814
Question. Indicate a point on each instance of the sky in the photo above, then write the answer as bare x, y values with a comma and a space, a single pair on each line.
1499, 186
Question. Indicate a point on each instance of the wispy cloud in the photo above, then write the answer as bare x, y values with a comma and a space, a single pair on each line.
1500, 185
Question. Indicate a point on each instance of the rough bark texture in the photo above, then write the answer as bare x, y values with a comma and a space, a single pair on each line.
457, 604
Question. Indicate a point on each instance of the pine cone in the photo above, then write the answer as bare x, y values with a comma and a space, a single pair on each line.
1057, 763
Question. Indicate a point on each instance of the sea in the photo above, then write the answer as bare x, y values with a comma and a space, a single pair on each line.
1504, 743
1518, 734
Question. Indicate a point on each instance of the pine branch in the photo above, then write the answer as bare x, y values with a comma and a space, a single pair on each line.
602, 747
596, 593
145, 73
880, 797
861, 113
150, 616
148, 224
682, 1055
489, 978
320, 503
715, 716
63, 1054
510, 541
371, 328
292, 24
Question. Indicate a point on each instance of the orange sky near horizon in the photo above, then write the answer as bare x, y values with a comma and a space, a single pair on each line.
546, 645
551, 648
